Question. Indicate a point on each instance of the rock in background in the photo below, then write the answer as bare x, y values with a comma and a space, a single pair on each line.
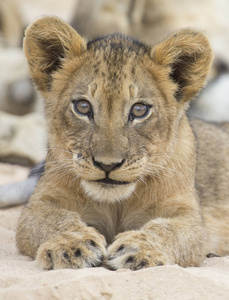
23, 138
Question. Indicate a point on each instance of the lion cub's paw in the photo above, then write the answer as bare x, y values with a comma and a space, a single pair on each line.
132, 250
73, 250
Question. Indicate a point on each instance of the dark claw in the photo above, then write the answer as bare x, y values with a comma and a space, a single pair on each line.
66, 255
130, 259
212, 254
121, 248
111, 268
110, 258
77, 253
92, 243
101, 258
141, 265
49, 255
159, 263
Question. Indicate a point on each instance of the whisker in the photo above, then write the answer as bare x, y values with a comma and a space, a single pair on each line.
158, 175
161, 167
142, 180
60, 149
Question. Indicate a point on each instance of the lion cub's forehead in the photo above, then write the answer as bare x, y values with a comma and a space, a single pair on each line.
115, 51
114, 59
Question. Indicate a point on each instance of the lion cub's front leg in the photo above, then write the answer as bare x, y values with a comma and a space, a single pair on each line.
162, 241
58, 238
134, 250
73, 250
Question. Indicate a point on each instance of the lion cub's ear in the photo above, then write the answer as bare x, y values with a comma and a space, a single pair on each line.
47, 43
188, 56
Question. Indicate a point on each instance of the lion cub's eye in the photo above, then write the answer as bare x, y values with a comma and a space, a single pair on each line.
139, 110
82, 107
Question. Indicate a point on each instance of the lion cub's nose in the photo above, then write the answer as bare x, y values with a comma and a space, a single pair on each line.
107, 168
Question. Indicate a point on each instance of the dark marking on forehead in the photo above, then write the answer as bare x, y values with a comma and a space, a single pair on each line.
115, 77
118, 42
97, 63
96, 66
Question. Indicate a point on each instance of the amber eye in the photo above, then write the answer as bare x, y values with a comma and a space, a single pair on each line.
139, 110
82, 107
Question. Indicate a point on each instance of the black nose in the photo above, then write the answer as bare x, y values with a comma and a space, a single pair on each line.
107, 168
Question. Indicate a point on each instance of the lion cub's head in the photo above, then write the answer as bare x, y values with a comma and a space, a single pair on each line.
113, 105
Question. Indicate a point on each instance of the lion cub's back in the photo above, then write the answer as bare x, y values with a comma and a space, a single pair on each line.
212, 177
212, 181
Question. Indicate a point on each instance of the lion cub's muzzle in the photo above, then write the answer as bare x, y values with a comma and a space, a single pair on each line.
108, 189
107, 169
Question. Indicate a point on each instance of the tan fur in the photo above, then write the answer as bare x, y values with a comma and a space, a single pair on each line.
155, 218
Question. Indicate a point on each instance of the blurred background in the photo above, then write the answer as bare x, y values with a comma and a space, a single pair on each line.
23, 137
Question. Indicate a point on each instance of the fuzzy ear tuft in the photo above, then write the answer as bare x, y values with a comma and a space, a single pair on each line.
188, 56
47, 42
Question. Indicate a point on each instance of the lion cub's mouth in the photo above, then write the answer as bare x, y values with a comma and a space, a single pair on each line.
108, 190
111, 181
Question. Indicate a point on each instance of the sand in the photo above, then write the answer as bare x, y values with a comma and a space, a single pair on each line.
20, 278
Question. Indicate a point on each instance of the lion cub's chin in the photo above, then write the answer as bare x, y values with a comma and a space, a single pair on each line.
107, 192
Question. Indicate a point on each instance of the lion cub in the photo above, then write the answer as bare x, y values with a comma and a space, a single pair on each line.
121, 163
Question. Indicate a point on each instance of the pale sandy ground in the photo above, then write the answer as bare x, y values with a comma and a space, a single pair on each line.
20, 278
